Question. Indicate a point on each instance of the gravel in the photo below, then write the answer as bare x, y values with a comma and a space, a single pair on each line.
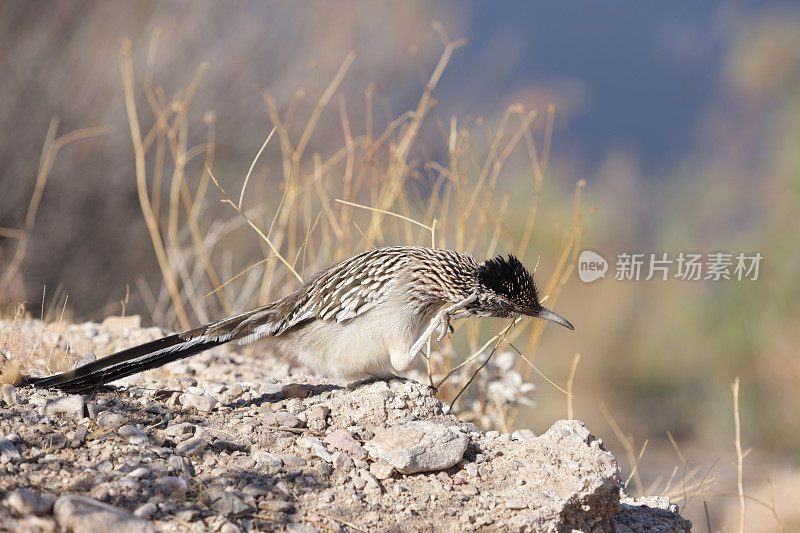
226, 442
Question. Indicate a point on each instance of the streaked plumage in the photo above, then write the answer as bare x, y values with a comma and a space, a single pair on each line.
358, 318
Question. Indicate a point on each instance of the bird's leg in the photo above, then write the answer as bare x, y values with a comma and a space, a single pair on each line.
440, 321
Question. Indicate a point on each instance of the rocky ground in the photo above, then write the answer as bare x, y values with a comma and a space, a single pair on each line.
227, 442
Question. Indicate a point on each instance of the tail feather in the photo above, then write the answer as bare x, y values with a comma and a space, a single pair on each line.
245, 327
153, 354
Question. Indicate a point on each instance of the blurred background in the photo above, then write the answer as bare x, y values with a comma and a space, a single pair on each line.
684, 122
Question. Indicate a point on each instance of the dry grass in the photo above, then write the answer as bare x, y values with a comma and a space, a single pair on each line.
380, 187
696, 481
52, 145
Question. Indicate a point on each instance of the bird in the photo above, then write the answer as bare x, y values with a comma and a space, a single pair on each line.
365, 317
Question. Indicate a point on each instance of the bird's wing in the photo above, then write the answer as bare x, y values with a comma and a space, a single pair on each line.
339, 293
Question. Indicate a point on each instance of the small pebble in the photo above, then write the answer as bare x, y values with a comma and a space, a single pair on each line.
148, 510
27, 502
79, 437
191, 447
67, 406
173, 486
275, 505
8, 451
296, 390
9, 394
516, 504
381, 470
108, 419
90, 357
133, 434
199, 400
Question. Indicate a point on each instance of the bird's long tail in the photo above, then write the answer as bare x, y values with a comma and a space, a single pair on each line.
88, 378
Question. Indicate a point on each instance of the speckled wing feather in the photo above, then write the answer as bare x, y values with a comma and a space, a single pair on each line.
339, 293
352, 287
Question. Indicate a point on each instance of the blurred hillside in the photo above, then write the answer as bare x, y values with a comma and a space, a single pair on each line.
685, 124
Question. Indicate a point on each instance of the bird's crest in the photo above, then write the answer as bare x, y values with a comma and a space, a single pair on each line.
509, 278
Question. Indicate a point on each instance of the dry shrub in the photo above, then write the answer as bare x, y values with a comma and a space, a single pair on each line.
381, 186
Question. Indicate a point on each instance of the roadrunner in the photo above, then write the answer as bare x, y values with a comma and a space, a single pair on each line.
360, 318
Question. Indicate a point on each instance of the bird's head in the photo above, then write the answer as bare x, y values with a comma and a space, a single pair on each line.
506, 288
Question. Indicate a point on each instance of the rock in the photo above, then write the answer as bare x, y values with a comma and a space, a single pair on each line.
79, 437
80, 514
292, 461
317, 418
90, 357
256, 489
295, 406
516, 504
148, 510
67, 406
267, 459
651, 513
381, 470
199, 400
226, 503
187, 515
523, 434
173, 486
178, 430
8, 451
286, 419
36, 524
109, 419
9, 394
571, 482
27, 502
343, 441
190, 447
133, 434
371, 485
94, 410
139, 473
316, 447
81, 483
54, 441
342, 462
276, 505
181, 464
419, 446
296, 390
230, 527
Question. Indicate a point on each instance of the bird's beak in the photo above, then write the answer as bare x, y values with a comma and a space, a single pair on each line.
546, 314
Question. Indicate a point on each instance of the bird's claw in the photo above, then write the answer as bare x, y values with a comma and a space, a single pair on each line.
445, 328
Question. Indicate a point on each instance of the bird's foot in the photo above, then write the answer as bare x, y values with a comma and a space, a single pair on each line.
445, 327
